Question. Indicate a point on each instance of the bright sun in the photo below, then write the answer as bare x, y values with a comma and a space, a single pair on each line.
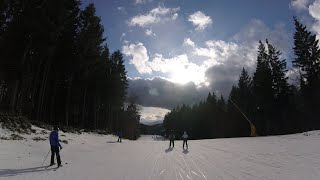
184, 75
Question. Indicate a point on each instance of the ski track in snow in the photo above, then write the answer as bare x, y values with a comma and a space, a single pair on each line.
89, 156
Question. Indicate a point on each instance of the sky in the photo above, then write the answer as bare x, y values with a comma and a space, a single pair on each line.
177, 51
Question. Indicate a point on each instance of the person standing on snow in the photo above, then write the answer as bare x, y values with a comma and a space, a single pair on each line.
185, 139
55, 145
119, 136
171, 138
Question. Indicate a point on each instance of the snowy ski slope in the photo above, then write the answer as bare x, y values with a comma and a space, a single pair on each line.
89, 156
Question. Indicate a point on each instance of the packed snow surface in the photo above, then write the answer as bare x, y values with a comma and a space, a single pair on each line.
90, 156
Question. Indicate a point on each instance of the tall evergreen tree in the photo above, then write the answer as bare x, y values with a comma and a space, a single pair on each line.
278, 72
280, 88
307, 60
120, 85
245, 92
262, 89
89, 40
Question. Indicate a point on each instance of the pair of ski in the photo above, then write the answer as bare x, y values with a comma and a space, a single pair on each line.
55, 168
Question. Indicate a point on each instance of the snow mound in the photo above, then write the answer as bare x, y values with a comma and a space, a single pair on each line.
312, 133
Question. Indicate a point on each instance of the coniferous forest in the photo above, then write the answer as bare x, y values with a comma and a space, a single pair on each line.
266, 98
56, 67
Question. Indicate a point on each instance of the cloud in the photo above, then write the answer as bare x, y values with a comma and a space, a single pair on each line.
123, 35
152, 115
224, 63
200, 20
312, 18
156, 15
299, 4
225, 59
178, 68
223, 76
188, 42
175, 16
139, 57
293, 75
149, 32
142, 1
256, 30
314, 11
122, 9
143, 20
160, 92
214, 65
153, 92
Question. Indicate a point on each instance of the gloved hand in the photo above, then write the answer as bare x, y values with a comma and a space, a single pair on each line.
60, 147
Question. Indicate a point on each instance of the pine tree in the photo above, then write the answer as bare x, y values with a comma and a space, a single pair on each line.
278, 72
89, 40
13, 54
221, 104
307, 52
245, 92
64, 65
263, 92
119, 75
120, 85
307, 60
130, 121
280, 89
221, 117
4, 7
233, 113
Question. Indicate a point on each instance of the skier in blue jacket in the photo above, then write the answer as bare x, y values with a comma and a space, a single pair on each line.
55, 145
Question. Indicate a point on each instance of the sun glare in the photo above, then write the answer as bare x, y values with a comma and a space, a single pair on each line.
183, 75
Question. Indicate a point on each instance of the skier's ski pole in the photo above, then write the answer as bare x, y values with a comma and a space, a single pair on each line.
45, 158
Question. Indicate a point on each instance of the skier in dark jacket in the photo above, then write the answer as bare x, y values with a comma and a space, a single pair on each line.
55, 145
171, 138
185, 139
119, 136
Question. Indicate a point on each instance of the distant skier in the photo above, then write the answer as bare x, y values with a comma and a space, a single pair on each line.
55, 145
185, 139
171, 138
119, 136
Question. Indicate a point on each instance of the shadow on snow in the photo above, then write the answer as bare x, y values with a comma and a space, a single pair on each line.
185, 151
169, 149
14, 172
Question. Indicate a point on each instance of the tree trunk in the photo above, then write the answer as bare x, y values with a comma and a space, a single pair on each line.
110, 118
84, 106
68, 101
13, 90
15, 85
52, 106
44, 82
94, 112
106, 122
